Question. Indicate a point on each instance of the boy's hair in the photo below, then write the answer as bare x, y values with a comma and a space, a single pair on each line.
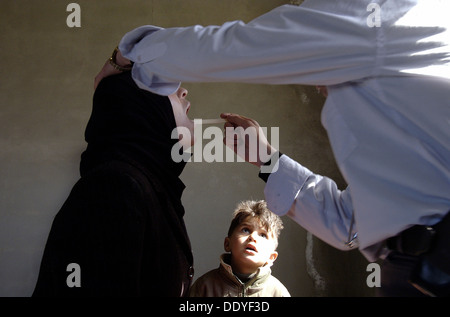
257, 209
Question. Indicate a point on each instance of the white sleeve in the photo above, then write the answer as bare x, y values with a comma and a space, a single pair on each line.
288, 45
311, 200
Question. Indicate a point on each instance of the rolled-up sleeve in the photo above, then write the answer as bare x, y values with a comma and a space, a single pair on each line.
288, 45
137, 47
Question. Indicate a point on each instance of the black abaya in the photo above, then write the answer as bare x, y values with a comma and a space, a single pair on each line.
123, 220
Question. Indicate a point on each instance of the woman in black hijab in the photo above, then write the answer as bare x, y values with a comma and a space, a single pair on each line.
122, 223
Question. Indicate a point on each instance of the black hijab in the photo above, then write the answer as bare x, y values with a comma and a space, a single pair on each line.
132, 125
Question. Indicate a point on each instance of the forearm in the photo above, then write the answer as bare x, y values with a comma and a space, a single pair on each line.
116, 64
288, 45
121, 60
311, 200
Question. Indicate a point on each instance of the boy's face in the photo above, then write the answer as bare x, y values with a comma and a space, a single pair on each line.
251, 246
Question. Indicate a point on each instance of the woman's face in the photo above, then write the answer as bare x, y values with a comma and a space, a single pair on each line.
181, 106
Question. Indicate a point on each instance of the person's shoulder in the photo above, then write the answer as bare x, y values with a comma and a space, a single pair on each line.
200, 287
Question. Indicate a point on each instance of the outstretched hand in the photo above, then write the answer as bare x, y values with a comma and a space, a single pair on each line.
247, 139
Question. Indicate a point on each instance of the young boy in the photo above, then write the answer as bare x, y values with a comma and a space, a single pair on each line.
245, 271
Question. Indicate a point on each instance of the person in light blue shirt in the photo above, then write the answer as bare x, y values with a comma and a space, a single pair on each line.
386, 66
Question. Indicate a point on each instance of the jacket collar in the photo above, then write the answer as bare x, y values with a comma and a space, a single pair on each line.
261, 274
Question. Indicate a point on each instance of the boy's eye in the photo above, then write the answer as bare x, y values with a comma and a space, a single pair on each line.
245, 230
263, 234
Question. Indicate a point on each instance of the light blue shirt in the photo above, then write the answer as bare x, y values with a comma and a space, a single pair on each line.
387, 68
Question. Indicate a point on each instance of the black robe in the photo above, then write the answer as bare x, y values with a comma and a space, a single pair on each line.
122, 223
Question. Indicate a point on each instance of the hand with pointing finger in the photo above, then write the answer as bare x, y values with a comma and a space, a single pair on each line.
246, 138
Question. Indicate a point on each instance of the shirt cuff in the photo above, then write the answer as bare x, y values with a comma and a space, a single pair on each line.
284, 185
269, 167
137, 45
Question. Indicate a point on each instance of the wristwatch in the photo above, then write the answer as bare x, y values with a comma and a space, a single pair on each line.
112, 61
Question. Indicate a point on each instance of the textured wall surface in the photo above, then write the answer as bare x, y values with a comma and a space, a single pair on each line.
46, 87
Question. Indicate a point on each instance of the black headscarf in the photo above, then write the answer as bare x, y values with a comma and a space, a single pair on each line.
135, 126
